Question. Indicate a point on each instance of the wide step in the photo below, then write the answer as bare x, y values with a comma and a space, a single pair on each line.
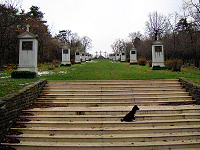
108, 145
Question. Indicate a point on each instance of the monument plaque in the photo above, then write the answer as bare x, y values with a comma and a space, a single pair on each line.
27, 45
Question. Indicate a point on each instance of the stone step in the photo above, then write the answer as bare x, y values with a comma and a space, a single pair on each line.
136, 99
115, 81
133, 95
116, 87
107, 137
107, 145
83, 85
176, 97
65, 91
104, 124
120, 110
110, 117
101, 104
109, 130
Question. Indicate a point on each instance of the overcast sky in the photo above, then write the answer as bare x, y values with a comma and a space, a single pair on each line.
103, 21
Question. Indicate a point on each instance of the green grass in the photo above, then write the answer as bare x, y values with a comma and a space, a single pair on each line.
113, 70
97, 70
9, 85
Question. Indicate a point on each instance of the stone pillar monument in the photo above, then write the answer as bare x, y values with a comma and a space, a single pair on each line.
123, 56
28, 51
77, 57
65, 56
133, 57
90, 57
117, 56
86, 56
83, 57
158, 56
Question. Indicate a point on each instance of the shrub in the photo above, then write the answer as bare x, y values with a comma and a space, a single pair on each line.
176, 65
56, 63
72, 61
150, 63
119, 59
23, 74
142, 62
51, 67
127, 59
168, 64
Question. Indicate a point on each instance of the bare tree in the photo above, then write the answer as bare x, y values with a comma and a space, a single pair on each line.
192, 9
86, 43
156, 23
119, 45
134, 35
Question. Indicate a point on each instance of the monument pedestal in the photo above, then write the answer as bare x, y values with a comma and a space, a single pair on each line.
65, 63
27, 68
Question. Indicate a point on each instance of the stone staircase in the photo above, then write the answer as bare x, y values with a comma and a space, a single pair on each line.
86, 115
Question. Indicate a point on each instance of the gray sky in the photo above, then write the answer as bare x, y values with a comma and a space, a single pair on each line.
103, 21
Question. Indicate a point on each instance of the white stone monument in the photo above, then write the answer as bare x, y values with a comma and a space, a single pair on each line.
65, 56
123, 56
158, 55
117, 56
77, 57
90, 57
87, 56
133, 57
28, 51
112, 56
83, 57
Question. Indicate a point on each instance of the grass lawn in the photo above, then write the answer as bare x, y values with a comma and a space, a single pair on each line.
9, 85
114, 70
96, 70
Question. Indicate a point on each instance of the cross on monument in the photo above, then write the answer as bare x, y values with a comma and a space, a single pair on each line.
105, 54
156, 35
96, 53
27, 27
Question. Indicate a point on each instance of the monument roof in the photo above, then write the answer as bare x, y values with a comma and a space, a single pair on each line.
27, 35
65, 47
157, 42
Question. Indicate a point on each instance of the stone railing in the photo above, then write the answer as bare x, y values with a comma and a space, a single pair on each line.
191, 87
12, 104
